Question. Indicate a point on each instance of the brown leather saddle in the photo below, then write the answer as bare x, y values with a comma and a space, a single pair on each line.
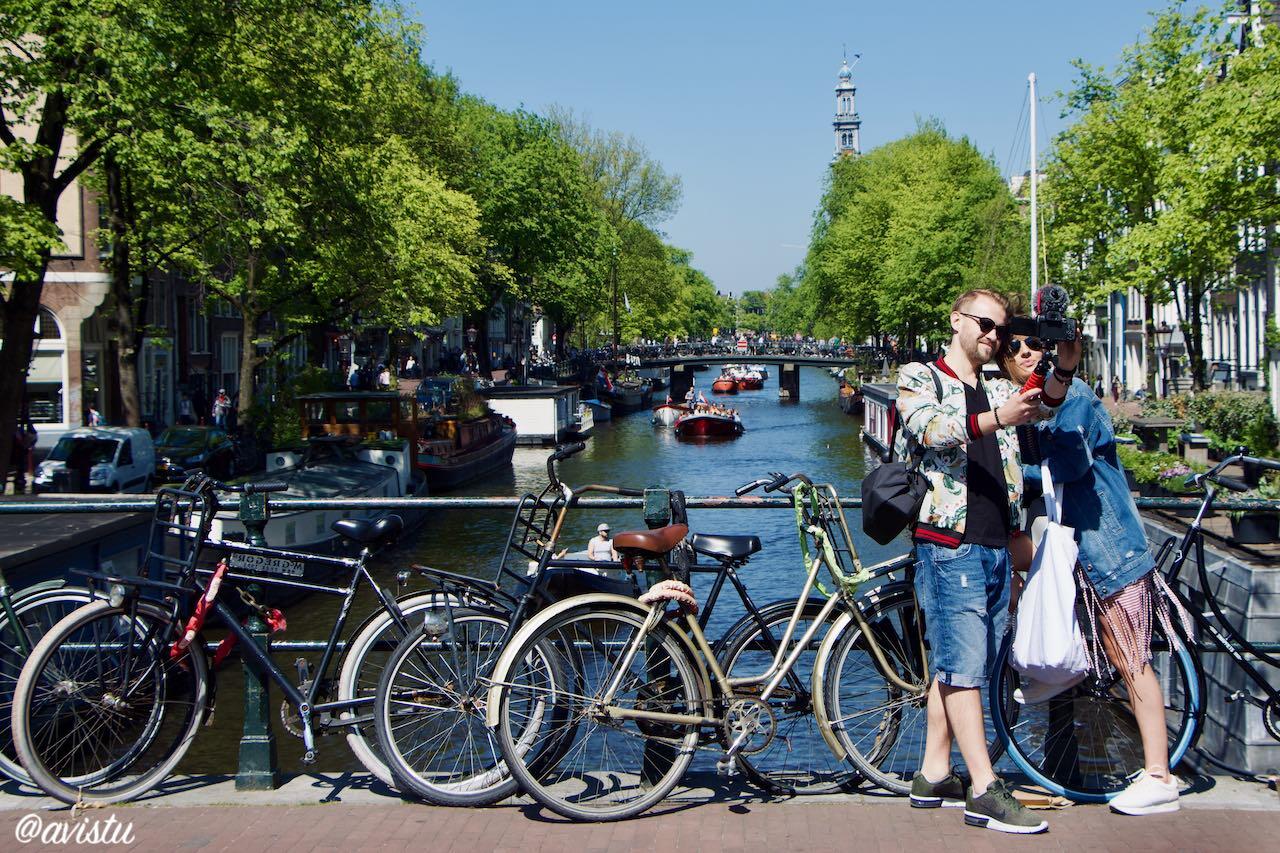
650, 543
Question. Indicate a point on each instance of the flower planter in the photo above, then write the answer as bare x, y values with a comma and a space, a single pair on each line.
1133, 484
1255, 528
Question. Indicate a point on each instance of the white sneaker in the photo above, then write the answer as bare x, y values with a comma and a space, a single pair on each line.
1147, 795
1033, 692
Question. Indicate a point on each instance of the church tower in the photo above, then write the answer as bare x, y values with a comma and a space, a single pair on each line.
847, 123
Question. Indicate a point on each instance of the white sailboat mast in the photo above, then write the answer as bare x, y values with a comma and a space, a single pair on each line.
1035, 233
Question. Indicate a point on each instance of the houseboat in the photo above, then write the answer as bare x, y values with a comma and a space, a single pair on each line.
459, 437
542, 415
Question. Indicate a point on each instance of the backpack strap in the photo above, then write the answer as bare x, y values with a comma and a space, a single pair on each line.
914, 448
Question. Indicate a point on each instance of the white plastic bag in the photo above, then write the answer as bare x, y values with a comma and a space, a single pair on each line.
1048, 645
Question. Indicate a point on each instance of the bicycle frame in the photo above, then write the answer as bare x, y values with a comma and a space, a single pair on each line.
1224, 634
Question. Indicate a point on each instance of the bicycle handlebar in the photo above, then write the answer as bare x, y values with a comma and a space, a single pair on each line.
250, 488
1231, 483
1214, 474
752, 486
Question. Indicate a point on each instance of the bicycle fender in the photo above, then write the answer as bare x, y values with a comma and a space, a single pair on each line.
602, 599
44, 586
837, 629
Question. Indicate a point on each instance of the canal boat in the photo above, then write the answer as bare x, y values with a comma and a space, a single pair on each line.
459, 438
851, 402
668, 413
628, 393
724, 384
600, 410
542, 415
584, 423
709, 422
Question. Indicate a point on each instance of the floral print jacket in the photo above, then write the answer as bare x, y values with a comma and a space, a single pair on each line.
944, 428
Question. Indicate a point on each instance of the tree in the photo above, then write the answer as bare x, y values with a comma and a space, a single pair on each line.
1150, 187
73, 75
901, 231
633, 189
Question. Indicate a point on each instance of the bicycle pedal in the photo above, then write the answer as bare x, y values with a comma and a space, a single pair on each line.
309, 757
727, 767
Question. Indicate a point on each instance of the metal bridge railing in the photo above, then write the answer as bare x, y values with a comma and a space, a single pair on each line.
258, 766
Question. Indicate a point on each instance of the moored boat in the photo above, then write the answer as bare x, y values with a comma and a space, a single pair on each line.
850, 399
584, 421
459, 438
600, 410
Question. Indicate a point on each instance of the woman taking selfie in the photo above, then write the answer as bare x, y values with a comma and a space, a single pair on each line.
1116, 573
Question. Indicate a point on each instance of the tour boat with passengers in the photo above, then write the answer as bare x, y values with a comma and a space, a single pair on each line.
709, 421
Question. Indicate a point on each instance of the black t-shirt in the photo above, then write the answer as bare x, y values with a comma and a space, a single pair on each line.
987, 515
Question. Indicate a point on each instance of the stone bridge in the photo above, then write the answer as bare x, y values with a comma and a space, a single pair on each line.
788, 372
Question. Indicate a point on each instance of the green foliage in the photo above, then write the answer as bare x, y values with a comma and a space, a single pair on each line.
1157, 468
904, 229
1229, 418
277, 419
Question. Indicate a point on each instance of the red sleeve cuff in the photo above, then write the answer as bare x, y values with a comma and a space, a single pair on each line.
1051, 402
974, 432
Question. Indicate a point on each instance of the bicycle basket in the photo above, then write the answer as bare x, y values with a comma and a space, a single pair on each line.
179, 527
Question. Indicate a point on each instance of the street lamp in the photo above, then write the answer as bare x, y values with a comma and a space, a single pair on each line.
1164, 335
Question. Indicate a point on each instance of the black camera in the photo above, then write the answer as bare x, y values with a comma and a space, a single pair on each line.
1050, 323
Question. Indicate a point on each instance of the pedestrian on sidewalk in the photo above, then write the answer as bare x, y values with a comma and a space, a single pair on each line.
964, 424
221, 408
1116, 573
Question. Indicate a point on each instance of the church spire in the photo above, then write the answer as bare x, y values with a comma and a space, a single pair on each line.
847, 123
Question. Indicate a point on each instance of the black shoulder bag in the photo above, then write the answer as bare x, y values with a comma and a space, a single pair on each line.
893, 493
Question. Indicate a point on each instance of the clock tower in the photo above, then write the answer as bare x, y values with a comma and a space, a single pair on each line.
847, 123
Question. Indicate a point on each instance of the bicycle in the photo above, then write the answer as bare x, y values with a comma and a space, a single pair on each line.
646, 685
25, 616
111, 697
1084, 743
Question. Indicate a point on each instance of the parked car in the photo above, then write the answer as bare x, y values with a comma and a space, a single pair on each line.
98, 459
183, 449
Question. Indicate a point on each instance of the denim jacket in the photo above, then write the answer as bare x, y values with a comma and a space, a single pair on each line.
1080, 445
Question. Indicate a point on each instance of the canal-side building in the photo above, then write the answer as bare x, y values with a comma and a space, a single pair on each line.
848, 123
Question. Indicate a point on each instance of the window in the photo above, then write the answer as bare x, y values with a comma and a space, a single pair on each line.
126, 453
47, 326
198, 327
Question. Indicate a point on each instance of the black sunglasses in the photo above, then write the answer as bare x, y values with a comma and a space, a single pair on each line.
986, 324
1030, 343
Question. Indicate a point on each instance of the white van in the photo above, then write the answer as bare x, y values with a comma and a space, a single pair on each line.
99, 459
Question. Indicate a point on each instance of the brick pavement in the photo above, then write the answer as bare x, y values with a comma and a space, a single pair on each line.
721, 825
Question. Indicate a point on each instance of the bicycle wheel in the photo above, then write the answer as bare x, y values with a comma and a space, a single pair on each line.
36, 613
430, 712
606, 764
1084, 743
361, 671
798, 759
100, 712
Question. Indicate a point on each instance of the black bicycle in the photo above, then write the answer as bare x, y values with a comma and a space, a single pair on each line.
1084, 743
111, 697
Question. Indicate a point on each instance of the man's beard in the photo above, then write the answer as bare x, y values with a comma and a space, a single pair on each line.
972, 348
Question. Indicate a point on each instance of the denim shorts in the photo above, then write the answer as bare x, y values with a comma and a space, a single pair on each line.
964, 593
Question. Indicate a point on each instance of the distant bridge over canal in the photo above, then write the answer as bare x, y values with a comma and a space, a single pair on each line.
683, 367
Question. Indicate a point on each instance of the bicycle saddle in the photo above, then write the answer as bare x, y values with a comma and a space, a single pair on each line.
726, 547
651, 543
369, 532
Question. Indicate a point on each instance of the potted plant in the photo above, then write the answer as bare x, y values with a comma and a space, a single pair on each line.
1257, 527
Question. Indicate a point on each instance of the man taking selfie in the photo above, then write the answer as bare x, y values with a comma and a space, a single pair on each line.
964, 425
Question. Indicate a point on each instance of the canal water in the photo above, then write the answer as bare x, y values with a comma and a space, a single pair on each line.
812, 436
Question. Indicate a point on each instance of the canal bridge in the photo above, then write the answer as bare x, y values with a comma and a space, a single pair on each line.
683, 367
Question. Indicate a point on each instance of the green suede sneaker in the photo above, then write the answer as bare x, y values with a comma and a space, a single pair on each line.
997, 809
947, 794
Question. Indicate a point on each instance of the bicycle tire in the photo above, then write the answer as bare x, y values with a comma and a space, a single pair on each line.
37, 613
360, 673
895, 749
451, 765
799, 759
662, 676
169, 700
1041, 738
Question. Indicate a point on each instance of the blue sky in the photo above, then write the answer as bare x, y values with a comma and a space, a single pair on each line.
737, 98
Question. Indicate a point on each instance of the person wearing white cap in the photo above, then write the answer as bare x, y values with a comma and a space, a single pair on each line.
601, 547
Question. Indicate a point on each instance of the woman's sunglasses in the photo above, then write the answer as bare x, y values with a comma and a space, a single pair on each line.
1030, 343
986, 324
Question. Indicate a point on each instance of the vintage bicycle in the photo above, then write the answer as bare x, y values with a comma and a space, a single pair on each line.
111, 698
1084, 743
627, 690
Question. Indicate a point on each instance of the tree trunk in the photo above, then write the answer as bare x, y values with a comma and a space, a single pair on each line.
127, 315
248, 331
1194, 341
1149, 343
20, 311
